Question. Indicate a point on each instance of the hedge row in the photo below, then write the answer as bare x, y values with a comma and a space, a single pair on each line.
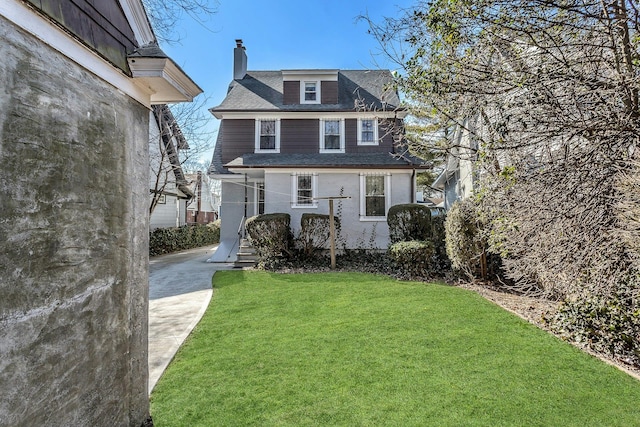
167, 240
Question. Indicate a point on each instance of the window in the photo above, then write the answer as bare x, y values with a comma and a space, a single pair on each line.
259, 197
304, 187
374, 196
367, 132
267, 136
310, 92
332, 136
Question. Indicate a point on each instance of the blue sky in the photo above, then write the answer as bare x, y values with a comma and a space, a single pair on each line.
279, 34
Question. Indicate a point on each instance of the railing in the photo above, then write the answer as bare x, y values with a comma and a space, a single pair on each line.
241, 230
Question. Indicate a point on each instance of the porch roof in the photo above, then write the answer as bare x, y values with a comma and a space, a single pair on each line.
327, 160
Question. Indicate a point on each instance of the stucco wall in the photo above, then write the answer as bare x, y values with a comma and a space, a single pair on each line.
73, 243
357, 234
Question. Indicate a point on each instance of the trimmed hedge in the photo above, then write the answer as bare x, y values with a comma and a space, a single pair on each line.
438, 237
464, 242
412, 257
173, 239
315, 233
270, 235
410, 221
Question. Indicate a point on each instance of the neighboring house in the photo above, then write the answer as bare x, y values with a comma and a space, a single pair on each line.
169, 188
203, 207
457, 179
290, 138
77, 81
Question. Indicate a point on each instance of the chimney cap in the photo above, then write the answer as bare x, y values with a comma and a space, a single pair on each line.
239, 43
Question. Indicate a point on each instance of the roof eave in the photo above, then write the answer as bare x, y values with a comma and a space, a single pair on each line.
163, 79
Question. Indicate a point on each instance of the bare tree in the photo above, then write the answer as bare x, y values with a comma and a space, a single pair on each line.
166, 14
176, 148
549, 91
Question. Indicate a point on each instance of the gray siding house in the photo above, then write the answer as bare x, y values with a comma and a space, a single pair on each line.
290, 138
169, 188
457, 180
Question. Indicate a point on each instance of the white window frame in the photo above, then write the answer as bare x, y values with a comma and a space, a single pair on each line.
294, 191
257, 136
256, 192
375, 131
363, 202
342, 138
303, 91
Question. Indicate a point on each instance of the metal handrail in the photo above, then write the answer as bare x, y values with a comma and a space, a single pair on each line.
241, 229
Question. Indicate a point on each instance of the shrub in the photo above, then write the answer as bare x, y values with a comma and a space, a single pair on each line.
609, 325
464, 244
413, 257
315, 233
270, 235
172, 239
410, 221
438, 237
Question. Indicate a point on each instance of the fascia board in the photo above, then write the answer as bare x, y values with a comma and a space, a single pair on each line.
165, 81
280, 114
139, 21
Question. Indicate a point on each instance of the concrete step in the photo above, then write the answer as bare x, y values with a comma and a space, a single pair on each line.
244, 264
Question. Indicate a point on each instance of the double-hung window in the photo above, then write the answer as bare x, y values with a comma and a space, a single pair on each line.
310, 92
332, 136
303, 190
375, 197
368, 131
267, 136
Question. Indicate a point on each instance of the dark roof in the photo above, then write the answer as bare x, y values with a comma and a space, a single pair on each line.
151, 50
263, 91
325, 160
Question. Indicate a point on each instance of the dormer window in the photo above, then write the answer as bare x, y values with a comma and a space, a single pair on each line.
267, 136
310, 92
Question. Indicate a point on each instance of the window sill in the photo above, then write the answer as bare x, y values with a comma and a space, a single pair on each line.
313, 206
267, 150
334, 151
373, 218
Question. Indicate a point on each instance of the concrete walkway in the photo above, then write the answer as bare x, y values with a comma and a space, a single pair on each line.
179, 293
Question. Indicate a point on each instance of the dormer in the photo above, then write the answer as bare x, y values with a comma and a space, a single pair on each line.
302, 87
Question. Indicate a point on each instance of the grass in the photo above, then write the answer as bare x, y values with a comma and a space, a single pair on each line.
354, 349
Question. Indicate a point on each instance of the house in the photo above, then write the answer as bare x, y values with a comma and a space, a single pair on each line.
203, 207
290, 138
458, 179
77, 81
169, 189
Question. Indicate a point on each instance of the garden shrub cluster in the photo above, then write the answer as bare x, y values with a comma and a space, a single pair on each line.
270, 235
314, 234
167, 240
440, 259
413, 257
410, 221
464, 243
610, 325
417, 240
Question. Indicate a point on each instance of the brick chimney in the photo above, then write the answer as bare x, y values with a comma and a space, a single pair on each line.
239, 60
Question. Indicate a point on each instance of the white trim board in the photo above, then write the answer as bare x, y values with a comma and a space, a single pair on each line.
24, 17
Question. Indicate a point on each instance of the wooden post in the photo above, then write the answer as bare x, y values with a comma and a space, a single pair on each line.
332, 235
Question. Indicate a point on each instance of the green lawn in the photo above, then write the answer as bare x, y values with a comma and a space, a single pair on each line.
353, 349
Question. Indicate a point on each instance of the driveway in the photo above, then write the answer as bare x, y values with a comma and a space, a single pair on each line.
179, 293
